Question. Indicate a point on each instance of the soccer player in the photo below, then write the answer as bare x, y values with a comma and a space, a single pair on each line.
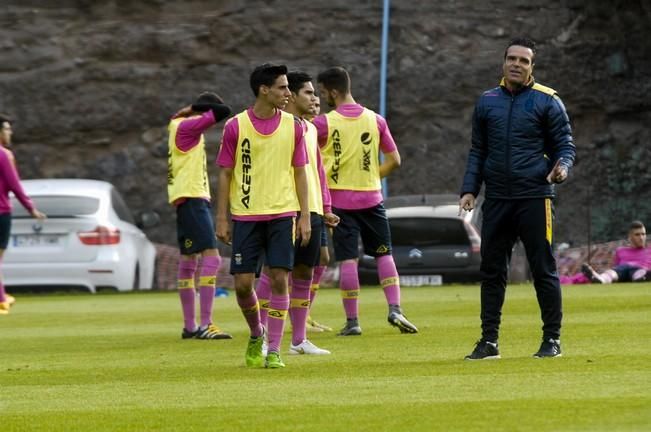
630, 264
301, 104
259, 148
263, 289
9, 182
521, 147
351, 137
324, 260
189, 191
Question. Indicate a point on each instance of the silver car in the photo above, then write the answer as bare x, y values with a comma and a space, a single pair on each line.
89, 239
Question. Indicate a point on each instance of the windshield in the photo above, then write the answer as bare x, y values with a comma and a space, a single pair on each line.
58, 206
427, 232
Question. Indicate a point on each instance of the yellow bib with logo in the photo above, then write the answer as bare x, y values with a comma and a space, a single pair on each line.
312, 170
351, 155
263, 177
187, 176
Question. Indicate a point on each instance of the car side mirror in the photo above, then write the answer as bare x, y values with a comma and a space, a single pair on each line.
148, 219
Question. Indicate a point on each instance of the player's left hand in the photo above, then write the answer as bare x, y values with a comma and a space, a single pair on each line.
331, 219
38, 214
223, 232
558, 174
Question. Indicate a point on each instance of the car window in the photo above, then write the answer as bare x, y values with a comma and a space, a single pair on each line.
427, 232
58, 206
121, 208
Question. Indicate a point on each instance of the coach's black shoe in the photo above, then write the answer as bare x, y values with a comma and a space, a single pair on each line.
484, 350
590, 273
187, 334
549, 348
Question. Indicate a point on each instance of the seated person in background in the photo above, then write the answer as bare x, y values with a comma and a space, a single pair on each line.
631, 263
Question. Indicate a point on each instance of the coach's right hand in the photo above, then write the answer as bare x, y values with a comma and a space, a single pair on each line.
467, 203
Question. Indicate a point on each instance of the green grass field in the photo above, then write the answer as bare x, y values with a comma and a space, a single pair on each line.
116, 362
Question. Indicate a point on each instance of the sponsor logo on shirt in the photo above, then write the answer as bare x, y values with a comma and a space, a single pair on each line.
246, 172
366, 153
170, 168
336, 145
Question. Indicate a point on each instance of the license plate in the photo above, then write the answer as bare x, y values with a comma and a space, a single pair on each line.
36, 240
421, 280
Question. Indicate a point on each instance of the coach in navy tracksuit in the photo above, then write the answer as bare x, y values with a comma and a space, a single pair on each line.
521, 145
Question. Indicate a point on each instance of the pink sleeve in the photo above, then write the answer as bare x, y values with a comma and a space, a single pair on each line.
226, 156
387, 144
189, 131
321, 124
325, 192
617, 260
299, 158
12, 179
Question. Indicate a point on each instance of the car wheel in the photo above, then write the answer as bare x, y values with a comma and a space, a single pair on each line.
136, 278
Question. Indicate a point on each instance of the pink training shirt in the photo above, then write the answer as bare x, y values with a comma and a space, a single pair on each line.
189, 131
230, 140
188, 135
638, 257
10, 182
352, 199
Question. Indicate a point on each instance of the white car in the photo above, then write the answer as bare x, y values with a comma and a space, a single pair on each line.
89, 239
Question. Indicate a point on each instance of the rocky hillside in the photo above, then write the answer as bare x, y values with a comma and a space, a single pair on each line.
92, 84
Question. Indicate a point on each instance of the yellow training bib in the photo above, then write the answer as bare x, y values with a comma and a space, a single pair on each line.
351, 155
263, 177
187, 176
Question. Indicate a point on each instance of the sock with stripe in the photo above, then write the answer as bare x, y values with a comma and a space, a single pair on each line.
349, 285
187, 293
388, 275
251, 311
316, 282
299, 308
207, 280
263, 292
278, 307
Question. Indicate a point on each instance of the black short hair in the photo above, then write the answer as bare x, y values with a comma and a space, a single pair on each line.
297, 79
209, 98
335, 78
265, 74
636, 224
5, 118
522, 41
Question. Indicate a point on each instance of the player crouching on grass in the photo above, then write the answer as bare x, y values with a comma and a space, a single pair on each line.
631, 263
